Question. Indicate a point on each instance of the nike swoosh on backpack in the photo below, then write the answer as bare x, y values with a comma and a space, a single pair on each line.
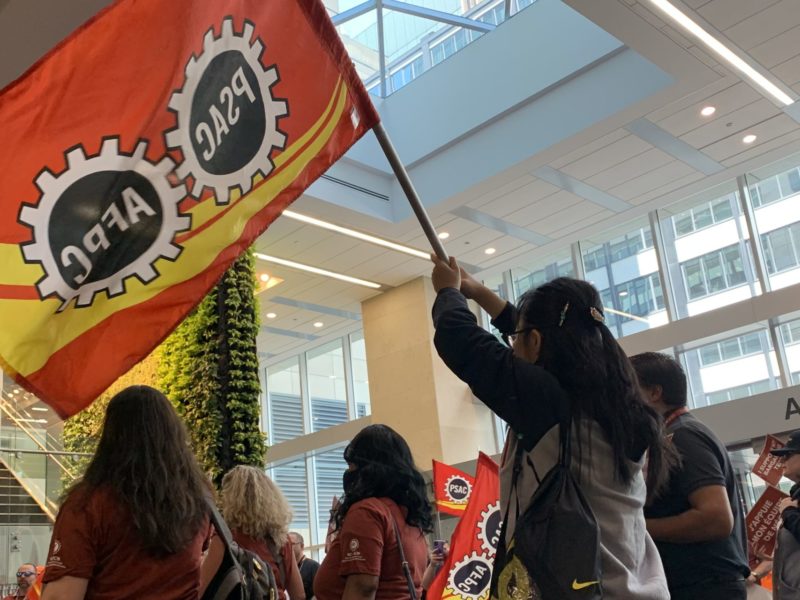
576, 585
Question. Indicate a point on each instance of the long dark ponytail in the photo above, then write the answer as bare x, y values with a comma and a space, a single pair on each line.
581, 352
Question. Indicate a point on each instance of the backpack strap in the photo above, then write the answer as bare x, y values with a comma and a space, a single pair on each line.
219, 523
412, 590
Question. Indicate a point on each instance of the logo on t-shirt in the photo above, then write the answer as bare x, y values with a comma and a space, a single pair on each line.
353, 545
56, 546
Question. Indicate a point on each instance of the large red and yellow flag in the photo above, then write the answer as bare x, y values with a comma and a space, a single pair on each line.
451, 489
140, 157
467, 572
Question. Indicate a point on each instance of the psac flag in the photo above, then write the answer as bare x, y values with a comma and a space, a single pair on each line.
467, 573
451, 488
140, 157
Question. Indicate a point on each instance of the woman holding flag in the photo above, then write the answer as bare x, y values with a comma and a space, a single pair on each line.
562, 368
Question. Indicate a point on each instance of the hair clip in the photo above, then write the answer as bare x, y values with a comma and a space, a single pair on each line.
597, 315
563, 314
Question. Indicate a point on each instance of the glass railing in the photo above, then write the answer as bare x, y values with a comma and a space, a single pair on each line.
31, 456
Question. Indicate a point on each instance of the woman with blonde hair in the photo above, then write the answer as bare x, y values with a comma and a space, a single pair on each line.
259, 515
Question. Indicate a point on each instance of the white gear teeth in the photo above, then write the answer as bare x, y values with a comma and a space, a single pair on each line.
483, 529
75, 158
45, 180
110, 146
181, 101
208, 40
247, 33
28, 215
52, 187
227, 28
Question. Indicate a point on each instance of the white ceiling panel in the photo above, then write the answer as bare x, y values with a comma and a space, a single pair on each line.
789, 71
724, 14
765, 24
779, 48
732, 145
605, 158
639, 186
737, 120
505, 207
582, 219
502, 190
633, 167
763, 148
540, 209
588, 149
726, 102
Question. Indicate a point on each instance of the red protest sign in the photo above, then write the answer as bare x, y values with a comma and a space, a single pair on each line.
769, 467
762, 522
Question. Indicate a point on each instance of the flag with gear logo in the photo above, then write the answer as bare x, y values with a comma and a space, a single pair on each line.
451, 488
141, 156
467, 572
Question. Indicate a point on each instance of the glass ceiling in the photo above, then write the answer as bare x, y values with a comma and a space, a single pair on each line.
392, 42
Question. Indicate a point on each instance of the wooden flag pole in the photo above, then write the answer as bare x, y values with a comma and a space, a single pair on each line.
411, 193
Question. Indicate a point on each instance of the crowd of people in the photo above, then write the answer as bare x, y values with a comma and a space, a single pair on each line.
657, 482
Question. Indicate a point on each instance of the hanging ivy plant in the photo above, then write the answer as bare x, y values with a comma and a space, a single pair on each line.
210, 372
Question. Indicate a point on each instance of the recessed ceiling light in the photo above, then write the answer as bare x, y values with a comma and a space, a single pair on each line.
317, 271
271, 315
749, 138
490, 251
708, 111
264, 277
723, 51
359, 235
443, 235
319, 324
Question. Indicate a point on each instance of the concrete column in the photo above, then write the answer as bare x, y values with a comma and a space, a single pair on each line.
411, 389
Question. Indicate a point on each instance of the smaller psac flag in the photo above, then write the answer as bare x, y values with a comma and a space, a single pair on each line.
467, 573
452, 488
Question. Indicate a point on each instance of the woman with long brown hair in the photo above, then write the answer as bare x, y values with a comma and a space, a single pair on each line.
135, 526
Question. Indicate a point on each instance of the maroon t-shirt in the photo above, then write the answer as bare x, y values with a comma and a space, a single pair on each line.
367, 545
94, 538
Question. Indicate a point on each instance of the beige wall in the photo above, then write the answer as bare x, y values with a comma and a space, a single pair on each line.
411, 389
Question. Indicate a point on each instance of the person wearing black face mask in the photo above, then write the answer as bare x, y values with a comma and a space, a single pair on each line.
383, 515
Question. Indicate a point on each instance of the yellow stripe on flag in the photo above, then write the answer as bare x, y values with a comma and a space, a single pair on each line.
19, 317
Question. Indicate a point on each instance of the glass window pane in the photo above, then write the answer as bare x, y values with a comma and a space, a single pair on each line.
291, 478
739, 374
358, 356
715, 278
683, 223
695, 282
622, 265
777, 218
734, 266
285, 404
326, 386
722, 210
702, 217
709, 268
328, 467
547, 269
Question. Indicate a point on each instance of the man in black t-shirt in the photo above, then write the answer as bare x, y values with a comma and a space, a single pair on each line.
697, 521
308, 566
